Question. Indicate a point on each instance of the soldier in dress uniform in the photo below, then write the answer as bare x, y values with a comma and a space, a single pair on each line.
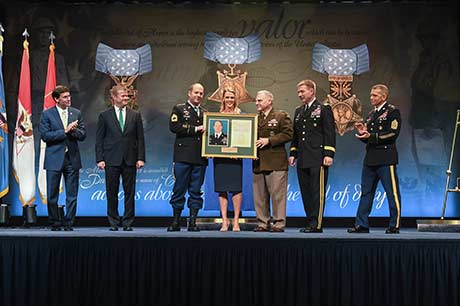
186, 122
218, 137
270, 170
313, 147
379, 132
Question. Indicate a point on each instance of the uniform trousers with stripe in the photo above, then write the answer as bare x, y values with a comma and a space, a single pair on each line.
312, 183
370, 177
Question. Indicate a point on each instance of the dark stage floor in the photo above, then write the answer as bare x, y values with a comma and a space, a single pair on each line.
150, 266
290, 233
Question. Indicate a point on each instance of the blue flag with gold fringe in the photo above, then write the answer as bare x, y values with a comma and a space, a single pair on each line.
4, 160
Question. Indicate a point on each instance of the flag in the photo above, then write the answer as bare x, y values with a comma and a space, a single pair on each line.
4, 160
48, 103
23, 143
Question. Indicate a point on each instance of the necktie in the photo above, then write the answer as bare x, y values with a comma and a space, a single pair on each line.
306, 108
197, 110
64, 118
64, 123
120, 118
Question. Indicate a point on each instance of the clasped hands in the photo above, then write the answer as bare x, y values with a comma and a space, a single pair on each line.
361, 130
71, 126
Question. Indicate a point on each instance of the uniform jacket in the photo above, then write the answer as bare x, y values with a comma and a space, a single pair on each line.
221, 140
384, 127
314, 135
52, 133
277, 127
114, 145
187, 147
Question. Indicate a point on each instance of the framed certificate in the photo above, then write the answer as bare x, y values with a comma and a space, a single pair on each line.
229, 135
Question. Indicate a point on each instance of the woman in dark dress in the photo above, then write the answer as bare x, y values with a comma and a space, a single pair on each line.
228, 172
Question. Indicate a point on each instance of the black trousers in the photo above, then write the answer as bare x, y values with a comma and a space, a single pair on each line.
312, 183
112, 185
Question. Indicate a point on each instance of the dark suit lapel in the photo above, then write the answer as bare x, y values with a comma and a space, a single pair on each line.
72, 115
129, 118
57, 116
113, 115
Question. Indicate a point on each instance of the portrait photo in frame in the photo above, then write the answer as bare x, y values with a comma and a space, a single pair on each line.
229, 135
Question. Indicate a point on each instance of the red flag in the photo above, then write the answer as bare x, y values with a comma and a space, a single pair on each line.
23, 144
48, 103
50, 80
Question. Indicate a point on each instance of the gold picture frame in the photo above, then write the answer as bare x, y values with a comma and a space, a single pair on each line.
229, 135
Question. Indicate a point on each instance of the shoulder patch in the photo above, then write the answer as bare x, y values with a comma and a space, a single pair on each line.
394, 124
173, 118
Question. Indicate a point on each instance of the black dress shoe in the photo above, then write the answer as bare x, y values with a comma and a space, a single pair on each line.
310, 229
128, 229
68, 228
358, 230
260, 229
392, 230
55, 228
193, 228
113, 228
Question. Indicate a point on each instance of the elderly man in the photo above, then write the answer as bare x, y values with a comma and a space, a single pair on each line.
270, 170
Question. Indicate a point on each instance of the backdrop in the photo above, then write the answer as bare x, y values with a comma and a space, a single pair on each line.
413, 48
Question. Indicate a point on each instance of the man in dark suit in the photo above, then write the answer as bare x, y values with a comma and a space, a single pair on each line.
61, 128
218, 138
379, 133
313, 146
270, 169
120, 150
186, 122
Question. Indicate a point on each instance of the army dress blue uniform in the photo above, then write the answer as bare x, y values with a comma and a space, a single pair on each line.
314, 138
189, 166
380, 164
219, 140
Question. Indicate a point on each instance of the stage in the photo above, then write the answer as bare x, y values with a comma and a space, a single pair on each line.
149, 266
